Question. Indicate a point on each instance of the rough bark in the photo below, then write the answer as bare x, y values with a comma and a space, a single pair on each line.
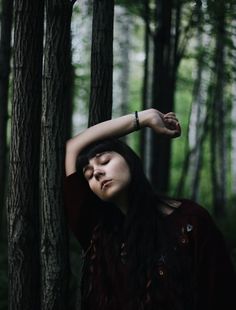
145, 103
69, 96
100, 108
23, 194
56, 79
122, 44
233, 112
5, 55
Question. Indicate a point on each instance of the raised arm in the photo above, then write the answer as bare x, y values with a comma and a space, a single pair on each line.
164, 124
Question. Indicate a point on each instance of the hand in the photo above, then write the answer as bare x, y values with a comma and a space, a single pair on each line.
165, 124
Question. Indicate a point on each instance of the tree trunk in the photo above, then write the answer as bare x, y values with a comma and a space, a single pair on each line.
198, 117
123, 24
164, 82
56, 79
233, 111
218, 139
100, 108
5, 55
145, 103
69, 96
23, 194
121, 79
81, 38
146, 133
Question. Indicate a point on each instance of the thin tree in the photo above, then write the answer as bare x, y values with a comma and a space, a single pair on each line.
164, 80
23, 193
233, 111
198, 119
5, 55
100, 107
145, 135
56, 82
122, 43
169, 47
218, 133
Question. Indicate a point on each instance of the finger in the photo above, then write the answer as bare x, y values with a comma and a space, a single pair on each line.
172, 123
171, 119
172, 133
170, 114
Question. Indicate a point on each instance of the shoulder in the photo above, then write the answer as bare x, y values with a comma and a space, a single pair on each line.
74, 177
197, 214
167, 205
199, 217
184, 207
74, 183
192, 208
184, 212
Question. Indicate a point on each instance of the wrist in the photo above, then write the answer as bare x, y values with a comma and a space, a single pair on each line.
146, 117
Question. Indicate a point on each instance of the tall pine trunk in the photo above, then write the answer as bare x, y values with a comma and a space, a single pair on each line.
198, 125
233, 111
23, 194
5, 55
198, 117
100, 108
164, 79
122, 40
145, 135
56, 80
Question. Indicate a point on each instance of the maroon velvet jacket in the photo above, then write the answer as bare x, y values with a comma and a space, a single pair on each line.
206, 269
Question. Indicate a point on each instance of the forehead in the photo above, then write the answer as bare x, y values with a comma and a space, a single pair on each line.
96, 158
100, 154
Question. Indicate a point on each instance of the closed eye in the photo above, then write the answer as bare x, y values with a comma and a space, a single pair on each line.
105, 162
104, 159
88, 173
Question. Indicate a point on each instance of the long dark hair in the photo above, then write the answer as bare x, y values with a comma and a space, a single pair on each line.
142, 228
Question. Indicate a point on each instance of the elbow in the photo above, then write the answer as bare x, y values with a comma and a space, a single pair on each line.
71, 146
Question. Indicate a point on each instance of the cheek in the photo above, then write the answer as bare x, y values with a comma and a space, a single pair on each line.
93, 186
123, 172
96, 189
126, 177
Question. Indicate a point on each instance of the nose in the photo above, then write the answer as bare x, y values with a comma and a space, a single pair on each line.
98, 174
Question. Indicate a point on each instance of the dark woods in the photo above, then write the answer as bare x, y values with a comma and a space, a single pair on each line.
188, 65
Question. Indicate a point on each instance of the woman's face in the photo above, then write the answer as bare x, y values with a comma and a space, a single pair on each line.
108, 175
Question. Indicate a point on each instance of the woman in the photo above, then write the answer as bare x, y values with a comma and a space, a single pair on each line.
141, 251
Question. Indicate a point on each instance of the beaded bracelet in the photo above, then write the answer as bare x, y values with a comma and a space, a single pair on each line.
137, 125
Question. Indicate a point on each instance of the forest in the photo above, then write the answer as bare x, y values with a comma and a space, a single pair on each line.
66, 65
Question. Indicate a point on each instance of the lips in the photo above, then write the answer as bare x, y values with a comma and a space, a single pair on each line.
104, 183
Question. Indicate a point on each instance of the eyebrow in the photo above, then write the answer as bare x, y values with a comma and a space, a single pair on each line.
97, 156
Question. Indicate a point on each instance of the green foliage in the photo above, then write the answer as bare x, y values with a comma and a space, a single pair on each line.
134, 7
183, 99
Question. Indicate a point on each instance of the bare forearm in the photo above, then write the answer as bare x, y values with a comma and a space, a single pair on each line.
112, 128
160, 123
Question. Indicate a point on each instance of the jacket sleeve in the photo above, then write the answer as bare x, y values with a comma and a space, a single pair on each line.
216, 279
83, 208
